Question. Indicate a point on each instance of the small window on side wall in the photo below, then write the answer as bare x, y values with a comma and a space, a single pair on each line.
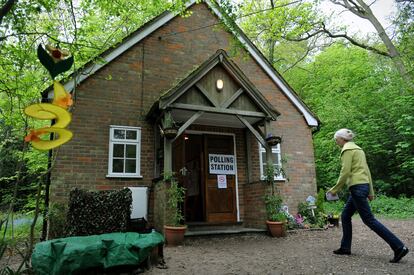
124, 152
277, 161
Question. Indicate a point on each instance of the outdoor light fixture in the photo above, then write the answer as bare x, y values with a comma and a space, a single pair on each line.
219, 84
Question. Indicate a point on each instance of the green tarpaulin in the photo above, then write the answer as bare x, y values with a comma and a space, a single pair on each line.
66, 255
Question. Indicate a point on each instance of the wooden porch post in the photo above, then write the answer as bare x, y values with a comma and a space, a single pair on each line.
269, 159
167, 156
267, 130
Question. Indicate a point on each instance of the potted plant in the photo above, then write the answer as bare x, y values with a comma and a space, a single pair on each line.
276, 217
174, 229
272, 140
168, 126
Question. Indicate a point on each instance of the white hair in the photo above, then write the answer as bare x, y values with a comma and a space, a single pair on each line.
346, 134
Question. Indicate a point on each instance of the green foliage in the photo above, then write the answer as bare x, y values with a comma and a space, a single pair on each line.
175, 197
273, 202
17, 234
382, 206
315, 219
320, 199
86, 29
392, 207
333, 207
168, 121
273, 205
57, 220
32, 165
92, 213
271, 28
349, 87
344, 86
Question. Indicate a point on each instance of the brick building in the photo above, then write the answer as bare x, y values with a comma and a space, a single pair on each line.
225, 99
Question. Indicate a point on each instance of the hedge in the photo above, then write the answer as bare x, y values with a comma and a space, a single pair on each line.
91, 213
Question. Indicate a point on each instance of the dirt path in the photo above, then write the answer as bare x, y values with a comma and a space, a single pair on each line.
304, 252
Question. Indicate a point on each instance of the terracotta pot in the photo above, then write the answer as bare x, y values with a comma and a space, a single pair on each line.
170, 133
174, 235
276, 229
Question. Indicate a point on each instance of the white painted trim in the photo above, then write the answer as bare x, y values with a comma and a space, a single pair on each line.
124, 176
91, 69
275, 150
136, 142
235, 157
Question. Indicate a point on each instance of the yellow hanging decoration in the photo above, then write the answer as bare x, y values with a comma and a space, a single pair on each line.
34, 137
57, 110
49, 111
61, 98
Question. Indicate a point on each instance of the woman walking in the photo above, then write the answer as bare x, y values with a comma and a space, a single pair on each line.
356, 175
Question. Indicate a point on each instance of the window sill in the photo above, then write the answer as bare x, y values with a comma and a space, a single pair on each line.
276, 180
124, 176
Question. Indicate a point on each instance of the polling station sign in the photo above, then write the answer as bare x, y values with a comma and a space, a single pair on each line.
221, 164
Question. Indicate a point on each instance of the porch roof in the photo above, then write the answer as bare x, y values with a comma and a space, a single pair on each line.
214, 112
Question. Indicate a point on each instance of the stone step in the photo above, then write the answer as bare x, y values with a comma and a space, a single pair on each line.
202, 229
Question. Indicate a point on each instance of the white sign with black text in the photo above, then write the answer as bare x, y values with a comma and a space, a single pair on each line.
222, 181
221, 164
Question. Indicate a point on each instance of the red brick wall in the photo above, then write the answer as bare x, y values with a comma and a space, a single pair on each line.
122, 92
255, 212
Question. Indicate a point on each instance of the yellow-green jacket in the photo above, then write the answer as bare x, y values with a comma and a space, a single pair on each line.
354, 168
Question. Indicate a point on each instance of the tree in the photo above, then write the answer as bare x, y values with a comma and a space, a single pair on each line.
86, 28
350, 87
268, 23
361, 9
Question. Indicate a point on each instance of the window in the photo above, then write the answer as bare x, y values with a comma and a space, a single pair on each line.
124, 152
277, 161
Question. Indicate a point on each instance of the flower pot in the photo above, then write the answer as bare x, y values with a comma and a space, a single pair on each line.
273, 140
174, 235
276, 229
170, 133
334, 221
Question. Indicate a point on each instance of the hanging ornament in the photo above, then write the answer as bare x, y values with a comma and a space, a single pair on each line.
56, 61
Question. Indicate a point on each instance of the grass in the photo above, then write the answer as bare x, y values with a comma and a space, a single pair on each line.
401, 208
19, 232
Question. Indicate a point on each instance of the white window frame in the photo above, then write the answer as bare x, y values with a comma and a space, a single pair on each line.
275, 150
136, 142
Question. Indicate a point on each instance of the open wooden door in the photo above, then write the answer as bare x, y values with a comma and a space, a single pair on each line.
220, 197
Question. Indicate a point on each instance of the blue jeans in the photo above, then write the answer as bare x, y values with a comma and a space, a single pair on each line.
358, 201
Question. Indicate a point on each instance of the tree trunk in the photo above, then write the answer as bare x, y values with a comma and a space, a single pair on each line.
392, 50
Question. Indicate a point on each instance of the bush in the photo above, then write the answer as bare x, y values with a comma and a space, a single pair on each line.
92, 213
394, 208
382, 205
333, 207
57, 220
314, 219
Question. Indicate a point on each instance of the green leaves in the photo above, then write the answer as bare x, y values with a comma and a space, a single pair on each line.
349, 87
175, 197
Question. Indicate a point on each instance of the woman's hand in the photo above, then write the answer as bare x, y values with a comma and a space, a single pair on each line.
370, 197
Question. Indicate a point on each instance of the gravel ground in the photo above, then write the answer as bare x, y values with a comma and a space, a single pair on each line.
301, 252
